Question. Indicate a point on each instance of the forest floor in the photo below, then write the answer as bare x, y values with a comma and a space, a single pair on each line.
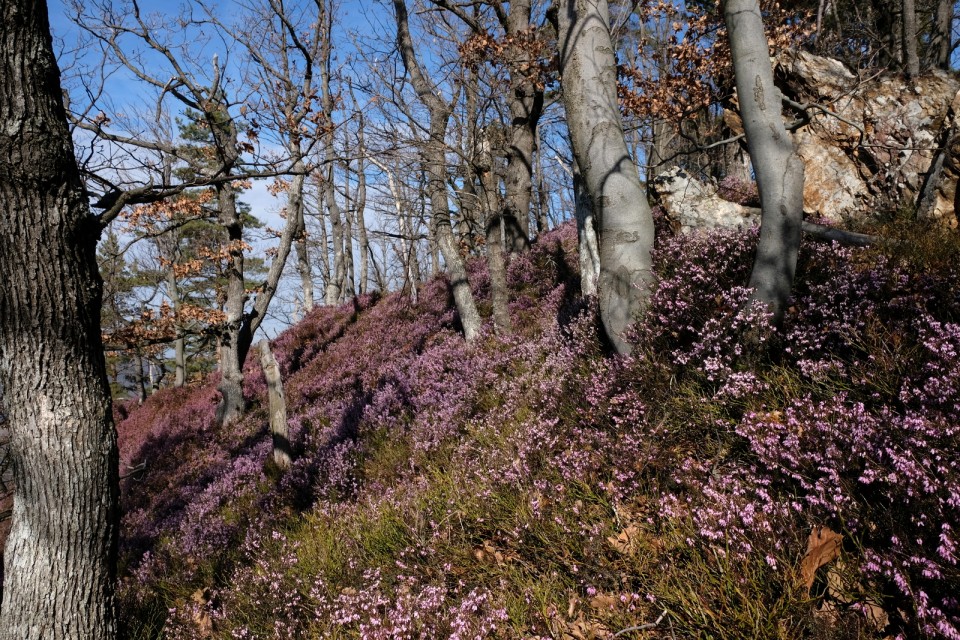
804, 485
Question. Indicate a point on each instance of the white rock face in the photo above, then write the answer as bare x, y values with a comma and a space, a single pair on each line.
691, 204
882, 152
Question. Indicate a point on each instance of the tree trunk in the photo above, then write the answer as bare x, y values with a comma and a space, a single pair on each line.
525, 102
278, 407
498, 236
60, 557
943, 30
349, 277
295, 209
778, 169
233, 344
543, 202
323, 255
589, 247
440, 208
911, 59
589, 79
361, 199
334, 288
435, 161
179, 345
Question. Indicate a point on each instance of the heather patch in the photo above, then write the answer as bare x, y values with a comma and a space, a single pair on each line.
532, 486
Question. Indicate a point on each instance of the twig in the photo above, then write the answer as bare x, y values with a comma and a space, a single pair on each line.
642, 627
134, 470
805, 109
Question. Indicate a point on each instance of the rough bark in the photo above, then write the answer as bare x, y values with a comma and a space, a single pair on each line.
779, 170
498, 236
525, 101
60, 557
434, 151
282, 456
589, 80
233, 343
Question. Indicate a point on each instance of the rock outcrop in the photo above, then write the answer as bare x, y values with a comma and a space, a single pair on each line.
691, 204
873, 144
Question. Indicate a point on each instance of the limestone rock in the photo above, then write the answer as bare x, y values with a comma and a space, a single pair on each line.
880, 153
690, 204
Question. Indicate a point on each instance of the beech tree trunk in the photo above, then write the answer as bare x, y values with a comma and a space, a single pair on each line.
295, 208
778, 168
589, 80
943, 34
278, 406
589, 246
60, 556
911, 58
435, 162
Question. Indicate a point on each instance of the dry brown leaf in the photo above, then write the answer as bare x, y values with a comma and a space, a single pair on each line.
626, 541
823, 547
202, 616
603, 601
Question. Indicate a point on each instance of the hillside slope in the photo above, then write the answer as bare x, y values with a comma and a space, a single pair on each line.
532, 486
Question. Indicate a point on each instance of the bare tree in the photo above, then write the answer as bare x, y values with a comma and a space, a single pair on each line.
434, 152
60, 557
778, 168
202, 89
589, 82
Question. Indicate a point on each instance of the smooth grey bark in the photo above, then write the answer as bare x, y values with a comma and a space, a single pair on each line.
304, 268
334, 288
61, 553
349, 276
434, 152
543, 201
361, 223
778, 169
589, 81
943, 34
282, 456
589, 246
911, 58
361, 198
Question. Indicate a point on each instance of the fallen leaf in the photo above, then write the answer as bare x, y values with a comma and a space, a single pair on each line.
823, 547
626, 541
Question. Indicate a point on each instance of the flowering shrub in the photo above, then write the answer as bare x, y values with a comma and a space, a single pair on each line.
531, 486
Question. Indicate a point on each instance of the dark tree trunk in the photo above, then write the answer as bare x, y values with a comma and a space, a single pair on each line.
911, 58
60, 558
943, 34
233, 341
525, 101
